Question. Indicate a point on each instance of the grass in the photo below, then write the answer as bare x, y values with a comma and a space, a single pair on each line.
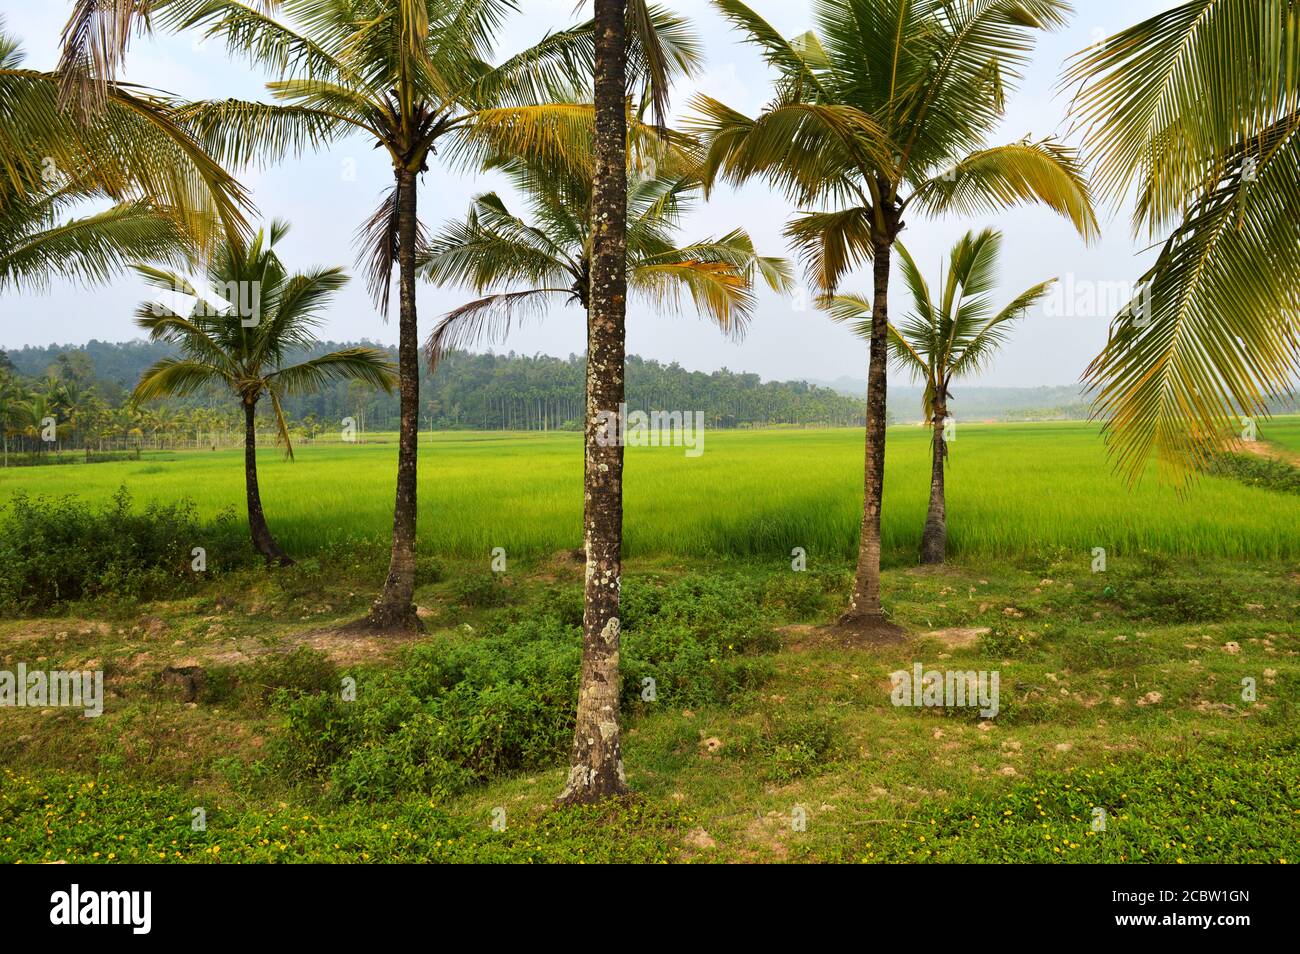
1013, 489
1283, 431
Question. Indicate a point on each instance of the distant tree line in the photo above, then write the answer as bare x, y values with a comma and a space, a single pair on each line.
92, 383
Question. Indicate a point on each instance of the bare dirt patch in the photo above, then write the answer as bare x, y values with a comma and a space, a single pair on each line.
1265, 450
802, 637
957, 637
350, 648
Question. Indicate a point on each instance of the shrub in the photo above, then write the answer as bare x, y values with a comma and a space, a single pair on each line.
59, 550
1266, 472
481, 591
798, 595
275, 676
428, 570
456, 713
1177, 601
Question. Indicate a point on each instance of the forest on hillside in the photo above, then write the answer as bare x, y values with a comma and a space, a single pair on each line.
468, 391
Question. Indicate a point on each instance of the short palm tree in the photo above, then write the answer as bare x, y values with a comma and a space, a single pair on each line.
881, 112
947, 336
222, 345
413, 77
1200, 105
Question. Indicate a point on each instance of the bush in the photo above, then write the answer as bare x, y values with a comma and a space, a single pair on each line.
60, 550
1177, 601
457, 713
428, 570
798, 595
1265, 472
481, 591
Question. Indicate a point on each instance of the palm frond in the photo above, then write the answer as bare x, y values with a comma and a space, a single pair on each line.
173, 377
376, 241
90, 249
831, 244
993, 179
366, 365
485, 319
132, 148
242, 133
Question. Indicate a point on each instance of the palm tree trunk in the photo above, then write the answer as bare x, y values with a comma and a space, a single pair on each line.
596, 766
934, 542
263, 542
865, 613
394, 609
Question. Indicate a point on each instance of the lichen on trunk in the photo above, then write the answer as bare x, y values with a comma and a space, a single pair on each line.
596, 765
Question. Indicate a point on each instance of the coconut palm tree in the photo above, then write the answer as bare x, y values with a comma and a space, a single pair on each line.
38, 421
883, 111
167, 192
947, 336
623, 28
527, 263
223, 345
412, 77
1200, 106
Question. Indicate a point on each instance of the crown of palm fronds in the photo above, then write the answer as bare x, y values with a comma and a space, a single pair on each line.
1196, 112
414, 76
885, 106
955, 333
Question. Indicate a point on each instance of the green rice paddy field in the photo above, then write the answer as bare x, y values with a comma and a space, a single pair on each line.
1012, 488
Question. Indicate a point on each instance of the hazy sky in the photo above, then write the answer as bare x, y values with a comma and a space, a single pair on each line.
325, 205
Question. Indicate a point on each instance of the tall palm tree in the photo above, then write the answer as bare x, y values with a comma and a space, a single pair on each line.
167, 192
882, 111
1200, 105
623, 29
946, 336
412, 77
222, 345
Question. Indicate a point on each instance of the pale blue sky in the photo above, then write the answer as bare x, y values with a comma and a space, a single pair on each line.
325, 207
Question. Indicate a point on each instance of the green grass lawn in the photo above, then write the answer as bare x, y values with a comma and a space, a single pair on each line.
1013, 489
